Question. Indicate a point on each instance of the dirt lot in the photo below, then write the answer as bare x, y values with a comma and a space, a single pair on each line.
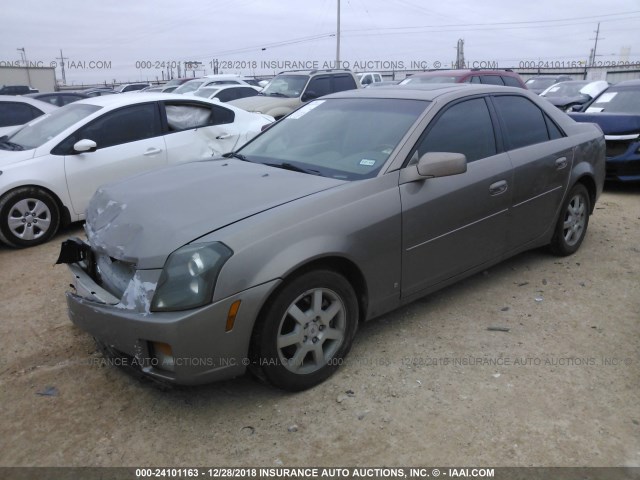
425, 385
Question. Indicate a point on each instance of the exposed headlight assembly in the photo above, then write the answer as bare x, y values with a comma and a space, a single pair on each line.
189, 277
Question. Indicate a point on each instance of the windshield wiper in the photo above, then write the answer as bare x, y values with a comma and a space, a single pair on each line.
277, 94
7, 145
237, 155
294, 168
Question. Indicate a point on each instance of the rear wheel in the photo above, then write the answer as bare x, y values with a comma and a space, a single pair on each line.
28, 216
306, 330
573, 222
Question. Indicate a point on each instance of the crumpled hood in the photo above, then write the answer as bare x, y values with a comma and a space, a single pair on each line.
144, 218
263, 103
7, 157
611, 123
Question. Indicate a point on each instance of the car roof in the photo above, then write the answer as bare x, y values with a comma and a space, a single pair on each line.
628, 83
44, 106
427, 91
460, 72
132, 98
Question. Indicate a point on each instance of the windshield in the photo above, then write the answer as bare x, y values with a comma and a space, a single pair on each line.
540, 83
348, 139
49, 126
617, 100
175, 81
289, 86
206, 92
189, 86
434, 79
566, 89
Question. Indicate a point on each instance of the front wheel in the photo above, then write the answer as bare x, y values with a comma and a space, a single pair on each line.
28, 216
572, 223
306, 330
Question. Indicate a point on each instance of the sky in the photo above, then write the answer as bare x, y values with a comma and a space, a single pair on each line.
145, 40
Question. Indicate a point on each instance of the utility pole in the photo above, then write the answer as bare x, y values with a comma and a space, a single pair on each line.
338, 39
460, 54
595, 47
62, 59
26, 63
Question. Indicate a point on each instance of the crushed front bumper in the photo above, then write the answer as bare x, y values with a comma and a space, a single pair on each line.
203, 350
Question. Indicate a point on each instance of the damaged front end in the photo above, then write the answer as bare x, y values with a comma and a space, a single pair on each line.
161, 322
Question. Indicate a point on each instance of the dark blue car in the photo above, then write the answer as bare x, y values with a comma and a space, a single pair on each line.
617, 111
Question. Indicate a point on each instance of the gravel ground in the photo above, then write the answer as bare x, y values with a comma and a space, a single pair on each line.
428, 384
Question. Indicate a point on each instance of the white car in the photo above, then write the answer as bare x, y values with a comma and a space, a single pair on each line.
52, 166
17, 110
226, 93
190, 87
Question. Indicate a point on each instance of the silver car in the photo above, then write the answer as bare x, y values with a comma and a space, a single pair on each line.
351, 206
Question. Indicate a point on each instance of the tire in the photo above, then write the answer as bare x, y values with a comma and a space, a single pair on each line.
305, 331
29, 216
572, 222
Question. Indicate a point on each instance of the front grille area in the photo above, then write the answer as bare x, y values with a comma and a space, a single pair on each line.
113, 275
615, 148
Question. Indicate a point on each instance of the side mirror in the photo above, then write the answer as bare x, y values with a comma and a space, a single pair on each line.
309, 95
576, 108
435, 164
85, 145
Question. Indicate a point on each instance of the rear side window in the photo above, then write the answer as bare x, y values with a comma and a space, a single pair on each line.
492, 80
463, 128
511, 82
343, 82
523, 122
183, 117
552, 128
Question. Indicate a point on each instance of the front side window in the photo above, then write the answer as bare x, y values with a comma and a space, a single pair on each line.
319, 86
129, 124
463, 128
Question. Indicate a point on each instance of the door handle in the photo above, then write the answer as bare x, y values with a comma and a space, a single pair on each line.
561, 163
152, 151
222, 136
498, 187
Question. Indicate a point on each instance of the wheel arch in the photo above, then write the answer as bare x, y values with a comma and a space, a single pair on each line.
590, 184
335, 263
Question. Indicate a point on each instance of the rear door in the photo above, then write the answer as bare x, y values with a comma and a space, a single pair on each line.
197, 130
542, 157
453, 224
128, 141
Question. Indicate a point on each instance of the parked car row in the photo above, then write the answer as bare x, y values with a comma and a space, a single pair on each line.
51, 167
